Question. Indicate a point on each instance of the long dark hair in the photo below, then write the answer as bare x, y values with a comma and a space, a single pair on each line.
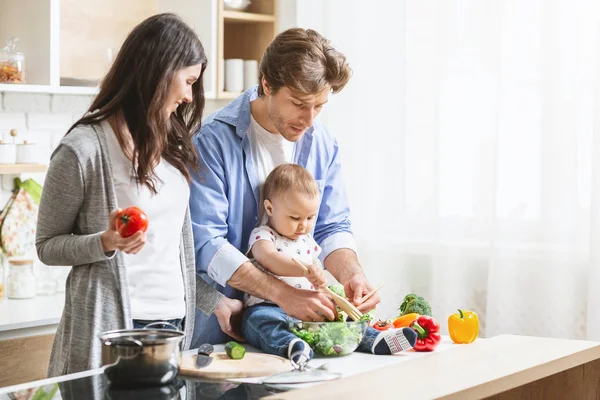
136, 86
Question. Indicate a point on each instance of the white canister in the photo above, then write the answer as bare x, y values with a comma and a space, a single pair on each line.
8, 154
234, 75
250, 73
21, 280
27, 153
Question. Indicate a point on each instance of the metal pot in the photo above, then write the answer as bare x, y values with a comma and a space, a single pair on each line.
141, 356
165, 392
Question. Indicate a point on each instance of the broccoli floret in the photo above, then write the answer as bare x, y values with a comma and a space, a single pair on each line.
338, 289
413, 303
366, 317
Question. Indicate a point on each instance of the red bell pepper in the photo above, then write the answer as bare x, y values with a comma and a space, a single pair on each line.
428, 333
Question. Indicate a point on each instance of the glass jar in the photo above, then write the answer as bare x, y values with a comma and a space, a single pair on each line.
12, 63
47, 285
20, 283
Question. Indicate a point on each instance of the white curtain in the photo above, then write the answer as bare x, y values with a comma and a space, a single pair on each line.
469, 137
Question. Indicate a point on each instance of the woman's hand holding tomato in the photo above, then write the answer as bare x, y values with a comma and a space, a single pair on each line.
131, 220
126, 231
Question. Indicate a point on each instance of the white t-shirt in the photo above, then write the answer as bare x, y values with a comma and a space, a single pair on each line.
154, 274
268, 151
303, 249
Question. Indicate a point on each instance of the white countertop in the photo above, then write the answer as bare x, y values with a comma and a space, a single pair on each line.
474, 371
30, 313
353, 364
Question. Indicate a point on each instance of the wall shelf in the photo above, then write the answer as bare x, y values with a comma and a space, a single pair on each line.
229, 95
240, 16
47, 89
15, 169
244, 35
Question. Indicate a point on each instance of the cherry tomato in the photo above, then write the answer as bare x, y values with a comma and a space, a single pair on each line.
383, 325
130, 221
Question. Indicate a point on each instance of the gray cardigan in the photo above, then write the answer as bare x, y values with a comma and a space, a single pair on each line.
77, 198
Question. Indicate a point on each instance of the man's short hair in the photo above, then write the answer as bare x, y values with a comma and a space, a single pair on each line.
305, 62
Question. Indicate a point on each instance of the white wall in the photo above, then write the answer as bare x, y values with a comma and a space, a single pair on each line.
44, 119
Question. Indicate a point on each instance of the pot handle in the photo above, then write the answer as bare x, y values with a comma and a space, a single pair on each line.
162, 323
134, 341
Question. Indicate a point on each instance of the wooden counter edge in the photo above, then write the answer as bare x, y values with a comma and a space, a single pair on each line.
358, 386
524, 377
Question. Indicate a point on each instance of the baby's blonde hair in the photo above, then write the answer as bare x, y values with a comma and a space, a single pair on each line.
290, 177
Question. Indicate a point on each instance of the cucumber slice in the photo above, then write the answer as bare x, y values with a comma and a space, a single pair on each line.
235, 350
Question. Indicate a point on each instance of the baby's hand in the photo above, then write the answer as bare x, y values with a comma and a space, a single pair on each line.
316, 276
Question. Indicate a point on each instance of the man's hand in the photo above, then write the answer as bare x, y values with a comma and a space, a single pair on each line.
307, 305
356, 288
343, 265
229, 314
316, 276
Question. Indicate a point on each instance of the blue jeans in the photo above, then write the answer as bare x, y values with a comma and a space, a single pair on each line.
265, 327
141, 323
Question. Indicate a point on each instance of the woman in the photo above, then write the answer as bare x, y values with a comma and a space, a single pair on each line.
132, 148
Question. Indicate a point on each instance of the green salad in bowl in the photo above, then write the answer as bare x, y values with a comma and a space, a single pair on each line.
331, 339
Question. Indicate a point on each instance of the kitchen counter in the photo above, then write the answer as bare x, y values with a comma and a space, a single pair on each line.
27, 329
358, 363
29, 317
502, 367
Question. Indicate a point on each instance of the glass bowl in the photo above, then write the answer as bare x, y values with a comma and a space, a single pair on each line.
330, 339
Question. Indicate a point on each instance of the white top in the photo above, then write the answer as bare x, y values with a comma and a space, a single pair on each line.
268, 151
304, 249
154, 274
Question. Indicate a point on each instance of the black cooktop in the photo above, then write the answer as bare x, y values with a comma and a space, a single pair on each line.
97, 387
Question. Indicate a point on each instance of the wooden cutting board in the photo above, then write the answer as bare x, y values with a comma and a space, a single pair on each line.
251, 366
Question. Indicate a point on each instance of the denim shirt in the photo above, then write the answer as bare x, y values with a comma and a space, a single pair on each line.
225, 195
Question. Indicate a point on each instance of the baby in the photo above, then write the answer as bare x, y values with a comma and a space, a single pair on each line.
292, 204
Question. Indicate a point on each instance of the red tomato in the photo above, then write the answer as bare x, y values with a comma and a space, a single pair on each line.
130, 221
383, 325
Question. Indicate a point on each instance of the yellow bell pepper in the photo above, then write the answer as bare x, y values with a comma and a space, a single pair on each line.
463, 327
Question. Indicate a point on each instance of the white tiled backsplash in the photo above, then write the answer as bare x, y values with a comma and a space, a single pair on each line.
44, 119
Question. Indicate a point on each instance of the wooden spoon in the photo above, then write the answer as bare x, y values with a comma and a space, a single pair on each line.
371, 293
341, 302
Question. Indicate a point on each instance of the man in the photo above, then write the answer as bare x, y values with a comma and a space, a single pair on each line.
239, 146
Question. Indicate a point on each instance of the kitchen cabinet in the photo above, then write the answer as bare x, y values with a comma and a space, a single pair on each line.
25, 359
70, 44
244, 35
